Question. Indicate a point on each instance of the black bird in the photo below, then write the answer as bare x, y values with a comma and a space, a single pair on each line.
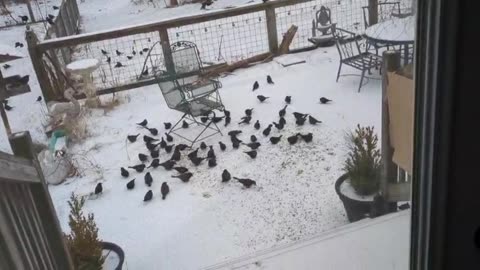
255, 86
185, 177
212, 162
176, 155
21, 81
124, 172
253, 145
262, 98
234, 139
50, 21
145, 72
226, 176
307, 138
203, 146
153, 131
151, 146
180, 169
168, 165
193, 154
104, 52
245, 120
227, 120
142, 157
144, 123
155, 163
165, 190
18, 44
252, 154
184, 124
324, 100
129, 57
204, 119
98, 188
118, 52
227, 113
131, 184
145, 49
292, 139
288, 99
149, 139
211, 153
266, 131
253, 138
55, 7
141, 52
279, 126
24, 18
196, 160
246, 182
163, 144
312, 120
181, 146
50, 16
167, 125
235, 145
7, 107
155, 153
138, 168
148, 196
222, 146
282, 121
282, 112
39, 98
169, 137
300, 121
275, 140
216, 119
168, 148
257, 125
118, 65
269, 80
248, 112
109, 60
148, 179
6, 66
299, 115
234, 132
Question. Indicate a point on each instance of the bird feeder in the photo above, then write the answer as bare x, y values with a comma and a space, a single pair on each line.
85, 68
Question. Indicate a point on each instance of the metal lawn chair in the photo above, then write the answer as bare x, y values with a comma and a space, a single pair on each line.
323, 25
352, 55
188, 91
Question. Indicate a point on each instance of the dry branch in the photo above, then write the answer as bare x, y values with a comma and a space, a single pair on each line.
287, 40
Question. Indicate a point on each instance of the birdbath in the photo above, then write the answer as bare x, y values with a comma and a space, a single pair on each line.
85, 68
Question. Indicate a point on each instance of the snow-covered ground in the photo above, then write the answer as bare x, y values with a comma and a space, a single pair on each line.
205, 221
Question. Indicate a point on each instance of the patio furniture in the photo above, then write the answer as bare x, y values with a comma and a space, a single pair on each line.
188, 91
396, 31
323, 24
385, 12
352, 55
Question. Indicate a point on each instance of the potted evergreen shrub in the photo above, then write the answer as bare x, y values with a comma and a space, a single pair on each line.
360, 183
85, 247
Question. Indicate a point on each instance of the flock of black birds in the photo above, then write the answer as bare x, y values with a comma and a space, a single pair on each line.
128, 56
155, 145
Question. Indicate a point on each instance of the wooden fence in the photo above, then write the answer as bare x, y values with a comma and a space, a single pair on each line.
30, 234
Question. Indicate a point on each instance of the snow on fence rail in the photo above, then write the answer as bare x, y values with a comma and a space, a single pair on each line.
222, 36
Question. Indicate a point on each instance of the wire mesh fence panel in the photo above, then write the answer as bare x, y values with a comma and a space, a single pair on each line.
346, 14
226, 40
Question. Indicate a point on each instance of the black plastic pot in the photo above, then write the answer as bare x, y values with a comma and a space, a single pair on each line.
355, 209
116, 249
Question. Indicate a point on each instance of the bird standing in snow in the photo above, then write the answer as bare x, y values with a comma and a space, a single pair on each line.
148, 196
165, 190
262, 98
148, 179
269, 80
226, 176
185, 177
324, 100
246, 182
144, 123
124, 172
98, 189
131, 184
257, 125
255, 86
288, 99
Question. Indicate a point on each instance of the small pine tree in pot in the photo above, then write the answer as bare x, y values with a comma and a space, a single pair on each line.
83, 243
363, 164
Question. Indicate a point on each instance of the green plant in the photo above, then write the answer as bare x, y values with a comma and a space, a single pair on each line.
83, 243
364, 160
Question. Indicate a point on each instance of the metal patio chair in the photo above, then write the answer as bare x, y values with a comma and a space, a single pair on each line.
352, 55
186, 90
323, 24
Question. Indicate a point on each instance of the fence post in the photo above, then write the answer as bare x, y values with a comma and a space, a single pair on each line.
167, 52
38, 66
272, 29
391, 63
77, 12
372, 12
30, 10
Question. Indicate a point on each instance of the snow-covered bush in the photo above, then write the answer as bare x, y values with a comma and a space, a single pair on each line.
363, 163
